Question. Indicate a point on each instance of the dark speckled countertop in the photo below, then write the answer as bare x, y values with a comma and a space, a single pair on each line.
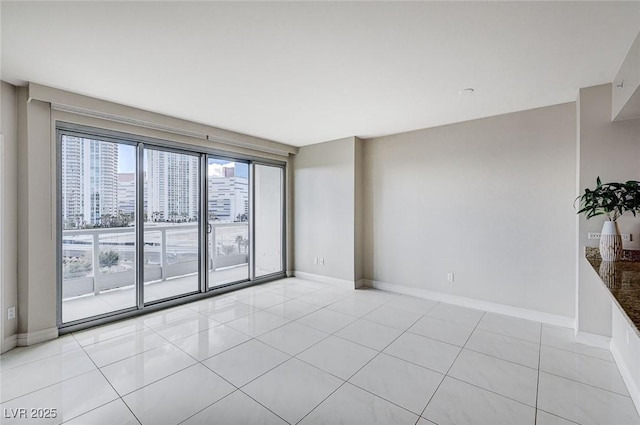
622, 278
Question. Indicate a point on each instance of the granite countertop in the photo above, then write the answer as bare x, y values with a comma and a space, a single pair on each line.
622, 278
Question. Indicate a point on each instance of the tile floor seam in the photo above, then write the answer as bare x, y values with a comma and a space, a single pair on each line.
555, 414
255, 336
221, 377
114, 390
46, 386
535, 418
299, 352
153, 382
588, 385
248, 395
187, 335
325, 371
206, 407
345, 381
248, 382
209, 405
322, 401
213, 355
334, 333
500, 358
582, 354
384, 348
134, 354
510, 336
434, 339
383, 398
3, 369
382, 351
183, 351
488, 390
108, 339
449, 369
35, 361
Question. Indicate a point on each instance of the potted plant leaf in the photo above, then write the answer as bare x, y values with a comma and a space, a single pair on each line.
612, 200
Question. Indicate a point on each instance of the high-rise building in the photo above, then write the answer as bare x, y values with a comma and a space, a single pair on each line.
127, 192
228, 195
89, 180
171, 185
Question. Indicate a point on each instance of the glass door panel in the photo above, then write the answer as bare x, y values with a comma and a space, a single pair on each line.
268, 181
98, 195
171, 219
228, 221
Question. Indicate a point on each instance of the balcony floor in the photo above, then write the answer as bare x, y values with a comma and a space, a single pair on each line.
118, 299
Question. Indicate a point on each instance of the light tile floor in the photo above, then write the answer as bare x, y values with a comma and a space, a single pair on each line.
295, 351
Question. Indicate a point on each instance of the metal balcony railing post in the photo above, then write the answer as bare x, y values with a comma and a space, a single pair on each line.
95, 264
163, 254
214, 251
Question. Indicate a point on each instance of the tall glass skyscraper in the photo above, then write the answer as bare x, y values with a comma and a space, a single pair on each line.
172, 184
89, 181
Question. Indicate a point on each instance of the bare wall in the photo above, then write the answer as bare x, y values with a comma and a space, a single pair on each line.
8, 214
324, 209
36, 222
489, 200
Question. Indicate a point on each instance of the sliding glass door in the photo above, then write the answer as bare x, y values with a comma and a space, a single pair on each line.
269, 219
143, 222
228, 221
98, 235
171, 224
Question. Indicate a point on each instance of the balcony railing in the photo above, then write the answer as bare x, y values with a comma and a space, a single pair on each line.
95, 260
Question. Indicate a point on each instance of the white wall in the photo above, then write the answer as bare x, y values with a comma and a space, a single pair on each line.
488, 200
626, 93
324, 186
611, 150
36, 222
8, 215
359, 212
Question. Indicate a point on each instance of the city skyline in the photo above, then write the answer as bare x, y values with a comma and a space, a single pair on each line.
98, 182
127, 163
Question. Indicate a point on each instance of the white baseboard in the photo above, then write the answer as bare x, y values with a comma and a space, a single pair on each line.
30, 338
324, 279
9, 343
594, 340
627, 377
523, 313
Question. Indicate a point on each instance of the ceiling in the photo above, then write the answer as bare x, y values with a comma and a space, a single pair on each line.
308, 72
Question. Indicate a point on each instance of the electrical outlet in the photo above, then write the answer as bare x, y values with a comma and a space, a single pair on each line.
11, 313
593, 235
627, 237
449, 277
322, 261
315, 260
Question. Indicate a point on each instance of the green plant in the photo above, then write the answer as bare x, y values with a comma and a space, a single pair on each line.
75, 267
228, 249
610, 199
109, 258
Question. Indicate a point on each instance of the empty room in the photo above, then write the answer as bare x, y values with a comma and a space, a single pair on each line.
318, 212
